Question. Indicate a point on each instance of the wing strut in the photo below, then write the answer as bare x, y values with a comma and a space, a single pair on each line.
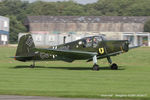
109, 59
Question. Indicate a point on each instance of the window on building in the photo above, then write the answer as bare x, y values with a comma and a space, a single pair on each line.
4, 38
51, 38
5, 24
38, 38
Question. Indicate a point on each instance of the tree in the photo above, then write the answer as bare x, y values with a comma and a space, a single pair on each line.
71, 8
15, 28
15, 11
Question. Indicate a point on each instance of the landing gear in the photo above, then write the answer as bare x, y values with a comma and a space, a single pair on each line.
33, 65
95, 67
114, 66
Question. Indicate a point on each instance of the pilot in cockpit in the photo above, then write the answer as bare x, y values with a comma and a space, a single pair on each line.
88, 42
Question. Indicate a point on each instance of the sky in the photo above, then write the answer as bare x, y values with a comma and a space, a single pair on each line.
79, 1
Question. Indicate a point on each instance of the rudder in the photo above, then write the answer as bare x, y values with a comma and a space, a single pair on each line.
25, 46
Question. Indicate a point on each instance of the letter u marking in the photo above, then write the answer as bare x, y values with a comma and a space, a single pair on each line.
101, 50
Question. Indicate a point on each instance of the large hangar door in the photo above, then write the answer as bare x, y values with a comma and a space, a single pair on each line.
143, 40
137, 39
130, 38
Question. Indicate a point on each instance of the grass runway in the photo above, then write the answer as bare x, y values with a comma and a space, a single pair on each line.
77, 80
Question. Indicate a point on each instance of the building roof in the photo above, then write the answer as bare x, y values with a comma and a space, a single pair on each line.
86, 19
4, 18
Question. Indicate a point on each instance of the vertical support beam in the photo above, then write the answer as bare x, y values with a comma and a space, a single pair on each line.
58, 39
148, 39
95, 59
135, 39
141, 40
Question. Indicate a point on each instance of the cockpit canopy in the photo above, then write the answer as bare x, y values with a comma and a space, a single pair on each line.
94, 38
93, 41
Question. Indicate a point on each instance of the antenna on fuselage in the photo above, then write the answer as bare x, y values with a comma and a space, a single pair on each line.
64, 40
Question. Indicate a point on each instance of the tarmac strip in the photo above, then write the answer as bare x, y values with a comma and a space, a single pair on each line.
13, 97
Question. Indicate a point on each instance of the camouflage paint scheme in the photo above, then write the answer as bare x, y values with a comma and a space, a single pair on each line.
83, 49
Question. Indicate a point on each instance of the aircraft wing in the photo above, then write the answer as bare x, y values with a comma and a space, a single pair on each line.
71, 54
106, 55
110, 54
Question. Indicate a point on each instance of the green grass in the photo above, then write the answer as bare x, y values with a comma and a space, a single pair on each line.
60, 79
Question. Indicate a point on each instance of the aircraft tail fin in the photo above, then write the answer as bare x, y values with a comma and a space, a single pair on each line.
25, 46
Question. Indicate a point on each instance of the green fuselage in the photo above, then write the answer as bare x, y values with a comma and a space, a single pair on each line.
102, 48
94, 44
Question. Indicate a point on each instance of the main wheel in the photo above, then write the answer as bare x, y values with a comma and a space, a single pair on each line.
95, 67
114, 66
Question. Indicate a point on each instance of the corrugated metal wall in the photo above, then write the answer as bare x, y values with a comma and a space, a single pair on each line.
87, 27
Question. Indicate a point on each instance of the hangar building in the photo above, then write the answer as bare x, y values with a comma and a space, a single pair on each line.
52, 30
4, 30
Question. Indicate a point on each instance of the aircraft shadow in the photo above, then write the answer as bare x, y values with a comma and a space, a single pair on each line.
70, 68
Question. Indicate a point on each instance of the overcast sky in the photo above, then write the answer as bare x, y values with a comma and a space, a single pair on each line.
79, 1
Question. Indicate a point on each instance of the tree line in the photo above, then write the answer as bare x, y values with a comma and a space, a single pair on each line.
18, 10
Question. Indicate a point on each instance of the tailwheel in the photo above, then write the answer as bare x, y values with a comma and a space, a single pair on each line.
114, 66
95, 67
32, 66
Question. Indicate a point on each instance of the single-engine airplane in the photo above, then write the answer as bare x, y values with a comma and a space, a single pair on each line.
88, 48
